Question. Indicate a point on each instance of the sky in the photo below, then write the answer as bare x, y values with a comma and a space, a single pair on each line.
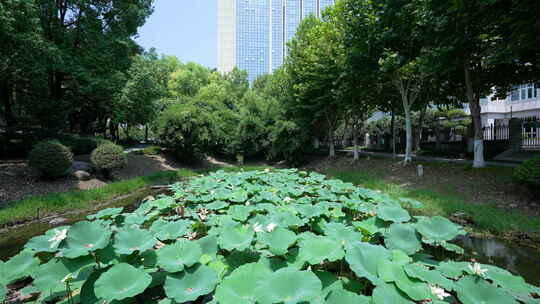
184, 28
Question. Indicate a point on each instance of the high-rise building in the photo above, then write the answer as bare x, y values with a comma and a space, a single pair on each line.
253, 34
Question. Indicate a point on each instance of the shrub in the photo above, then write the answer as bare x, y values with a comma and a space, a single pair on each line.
186, 129
288, 142
108, 157
51, 158
81, 145
529, 172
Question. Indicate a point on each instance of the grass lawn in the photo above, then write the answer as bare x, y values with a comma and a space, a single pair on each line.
488, 196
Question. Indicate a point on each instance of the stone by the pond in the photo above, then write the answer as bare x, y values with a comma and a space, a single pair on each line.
59, 221
149, 198
81, 175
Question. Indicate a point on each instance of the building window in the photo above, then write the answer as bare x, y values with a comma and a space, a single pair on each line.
514, 96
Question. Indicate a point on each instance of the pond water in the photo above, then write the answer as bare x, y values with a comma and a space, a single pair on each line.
520, 260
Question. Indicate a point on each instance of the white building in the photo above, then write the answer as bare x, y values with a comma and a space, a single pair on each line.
522, 102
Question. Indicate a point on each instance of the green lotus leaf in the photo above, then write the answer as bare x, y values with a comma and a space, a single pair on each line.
393, 213
394, 272
505, 279
128, 241
438, 228
108, 213
209, 245
388, 293
278, 241
46, 243
163, 202
451, 269
3, 292
411, 202
239, 286
402, 237
288, 285
175, 257
217, 205
165, 230
121, 281
18, 267
330, 282
371, 225
341, 233
451, 247
310, 211
191, 283
239, 213
317, 249
238, 196
235, 237
474, 290
431, 276
363, 259
52, 276
85, 237
342, 296
135, 219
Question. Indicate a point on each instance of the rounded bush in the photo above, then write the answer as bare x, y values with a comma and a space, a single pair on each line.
108, 157
51, 158
529, 172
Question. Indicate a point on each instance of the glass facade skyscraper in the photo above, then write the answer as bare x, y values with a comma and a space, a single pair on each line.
253, 34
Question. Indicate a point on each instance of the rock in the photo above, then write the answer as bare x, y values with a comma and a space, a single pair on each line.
81, 166
149, 198
513, 205
59, 221
81, 175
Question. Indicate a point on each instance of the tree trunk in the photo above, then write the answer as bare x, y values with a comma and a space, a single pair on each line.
408, 130
355, 142
331, 139
6, 98
146, 134
419, 133
393, 137
474, 105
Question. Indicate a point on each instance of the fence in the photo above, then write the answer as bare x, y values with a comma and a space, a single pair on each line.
493, 132
530, 133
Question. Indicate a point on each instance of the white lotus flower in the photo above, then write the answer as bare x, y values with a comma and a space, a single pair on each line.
59, 236
439, 292
248, 203
270, 227
258, 227
287, 199
267, 170
476, 268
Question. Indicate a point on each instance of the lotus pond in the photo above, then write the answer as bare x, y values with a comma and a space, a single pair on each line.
274, 236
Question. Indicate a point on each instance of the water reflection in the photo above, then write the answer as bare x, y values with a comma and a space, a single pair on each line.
523, 261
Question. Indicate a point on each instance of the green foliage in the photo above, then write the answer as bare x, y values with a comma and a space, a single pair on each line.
248, 237
529, 172
109, 157
51, 158
152, 150
81, 145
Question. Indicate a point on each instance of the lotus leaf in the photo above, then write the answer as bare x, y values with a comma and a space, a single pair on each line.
47, 242
3, 292
121, 281
317, 249
278, 241
451, 269
393, 213
402, 237
394, 272
19, 266
388, 293
341, 233
371, 225
52, 276
363, 259
239, 286
438, 228
85, 237
329, 282
342, 296
175, 257
474, 290
163, 202
235, 237
238, 196
217, 205
191, 283
209, 245
108, 213
288, 285
505, 279
239, 213
165, 230
128, 241
431, 276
